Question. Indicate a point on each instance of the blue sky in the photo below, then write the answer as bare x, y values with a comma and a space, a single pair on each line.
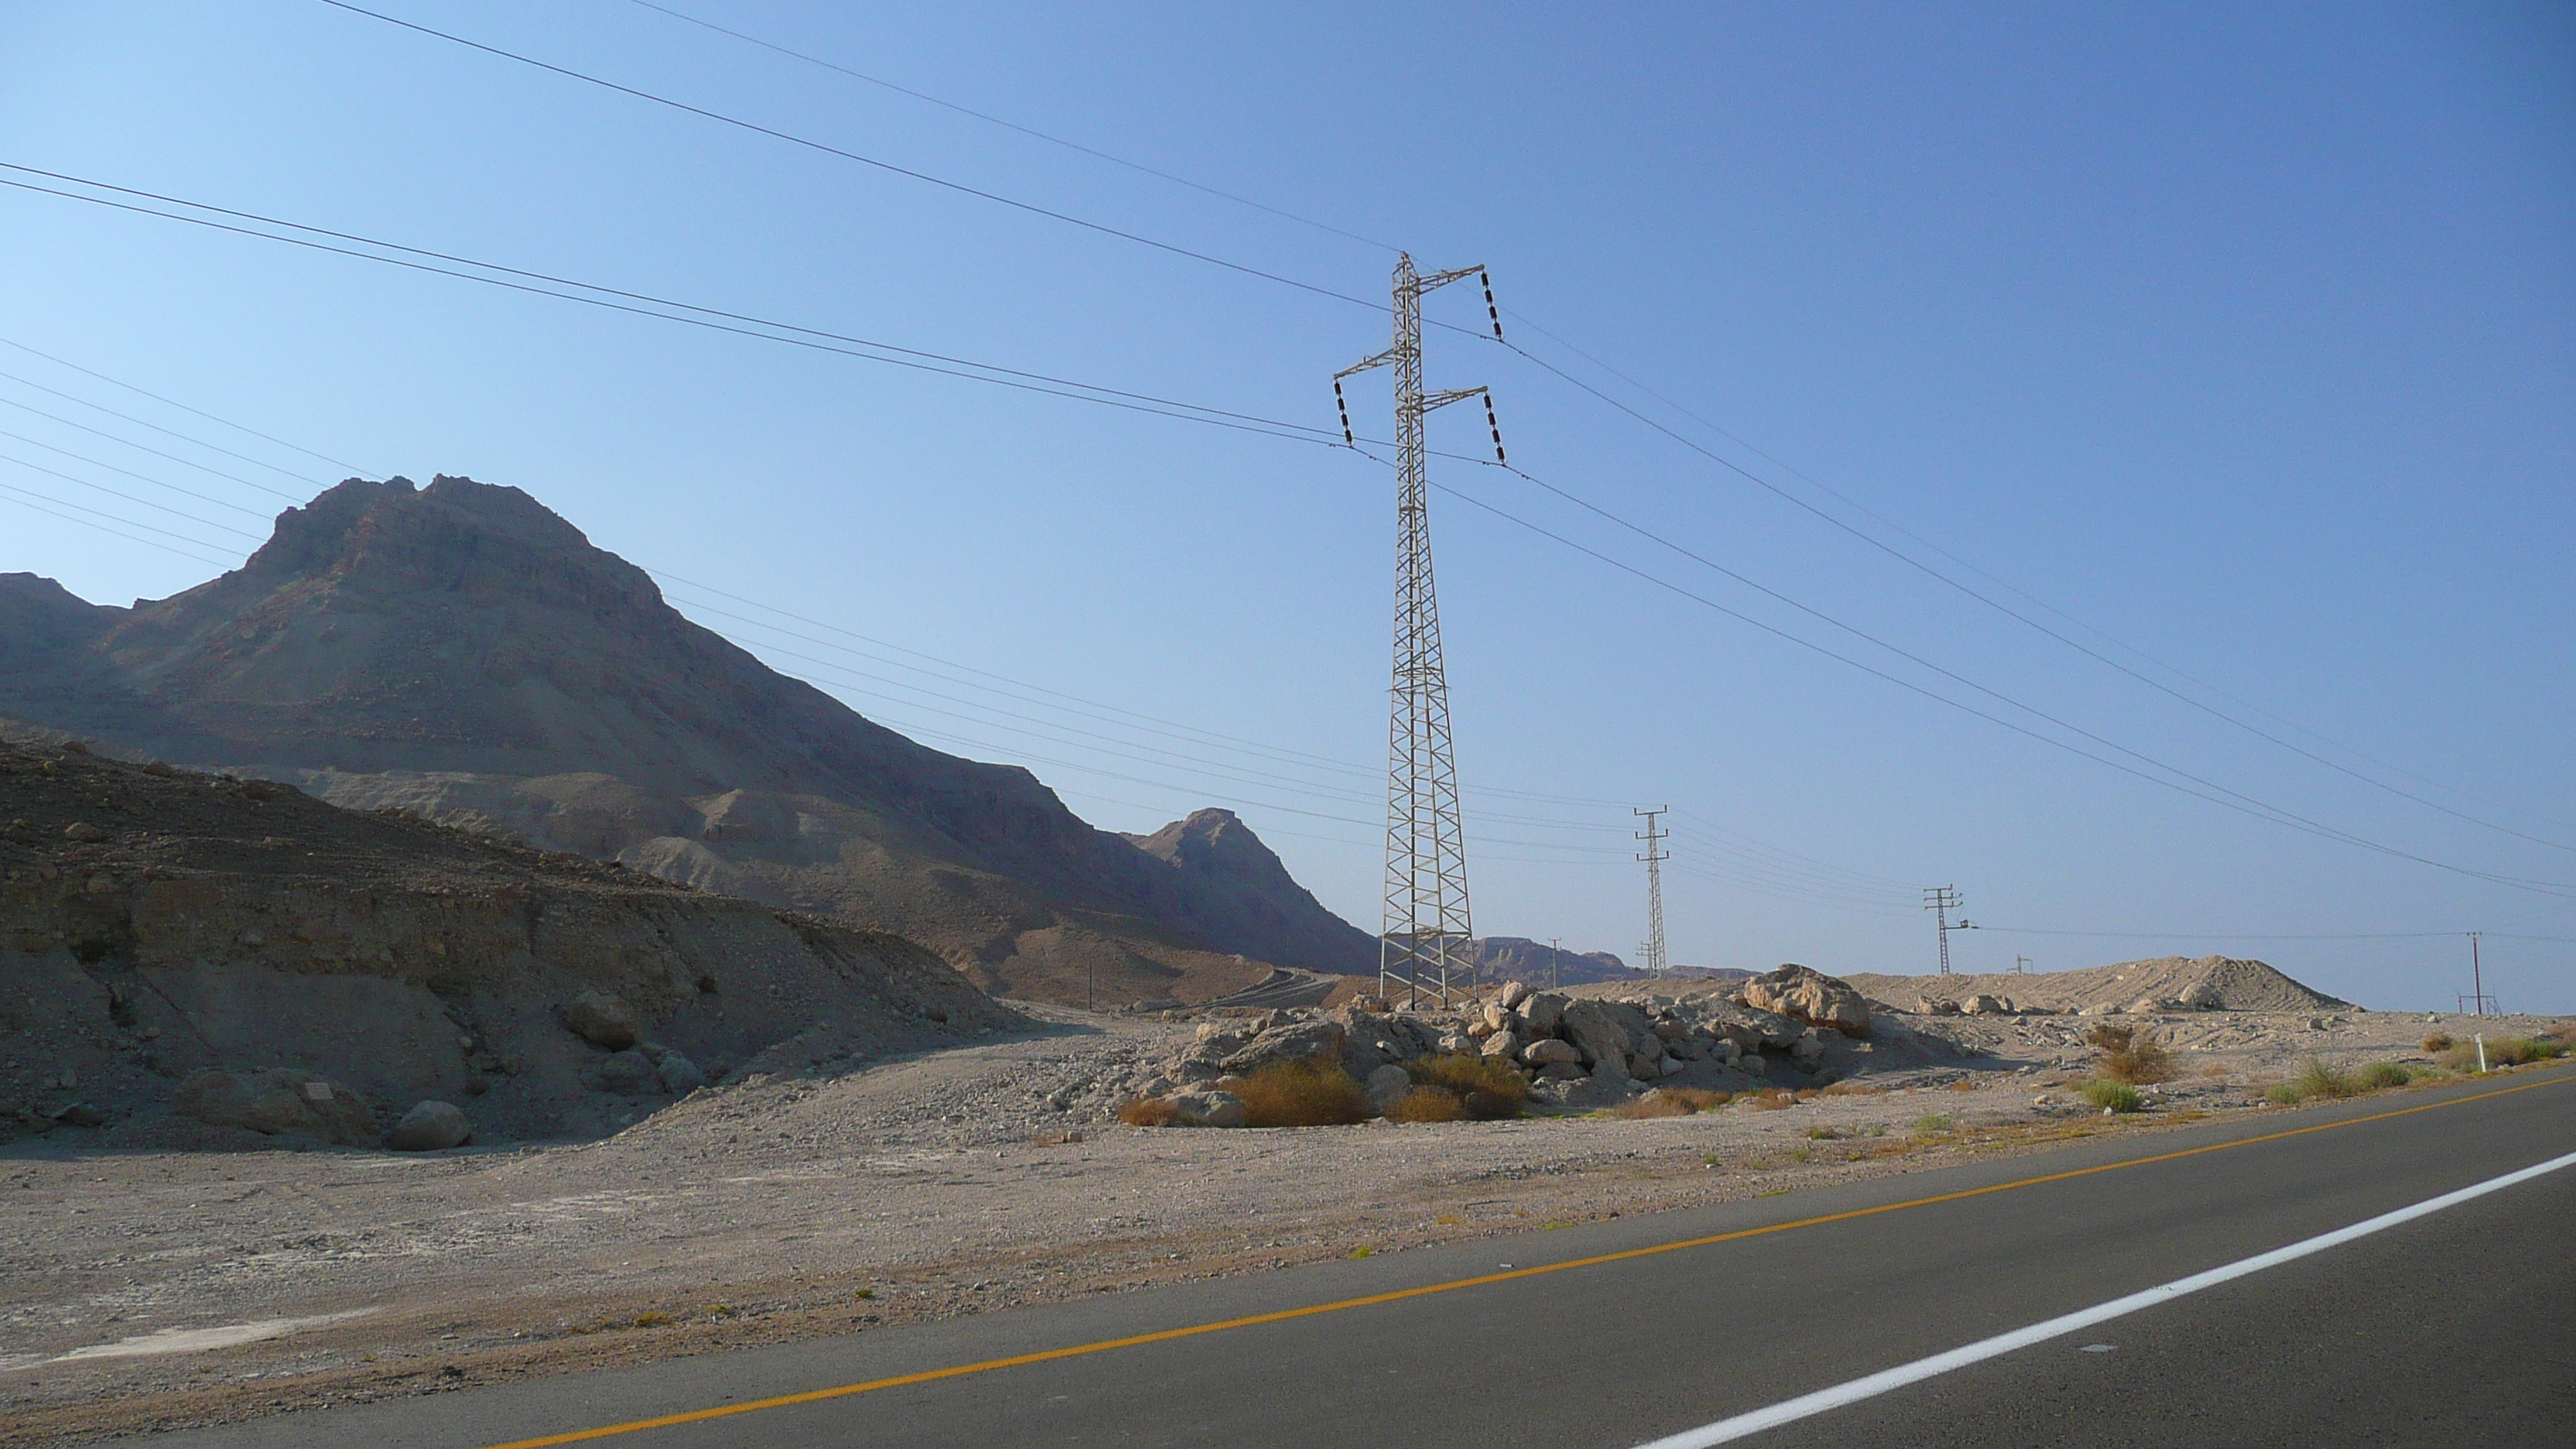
2245, 337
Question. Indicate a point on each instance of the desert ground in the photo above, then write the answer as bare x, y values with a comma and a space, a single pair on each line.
157, 1288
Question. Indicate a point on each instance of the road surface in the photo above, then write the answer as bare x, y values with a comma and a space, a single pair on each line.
2457, 1326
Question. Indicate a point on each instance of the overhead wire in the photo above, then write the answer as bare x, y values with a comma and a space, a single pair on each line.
848, 155
1302, 433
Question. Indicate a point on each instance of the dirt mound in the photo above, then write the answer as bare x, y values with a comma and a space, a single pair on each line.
2165, 983
155, 924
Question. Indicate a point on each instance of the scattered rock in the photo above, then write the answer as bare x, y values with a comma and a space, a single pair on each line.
603, 1021
1388, 1084
629, 1073
430, 1127
275, 1101
1548, 1051
679, 1075
83, 831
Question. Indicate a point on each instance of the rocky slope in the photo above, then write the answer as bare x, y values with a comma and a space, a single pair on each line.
462, 652
158, 927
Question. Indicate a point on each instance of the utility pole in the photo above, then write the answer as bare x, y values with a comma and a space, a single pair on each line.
2021, 964
1941, 901
2479, 1002
1555, 963
1654, 858
1426, 923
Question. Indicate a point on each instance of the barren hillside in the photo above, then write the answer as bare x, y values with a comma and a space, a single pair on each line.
155, 924
462, 652
2208, 983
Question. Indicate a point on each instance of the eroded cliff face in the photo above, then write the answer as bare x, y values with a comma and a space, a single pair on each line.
461, 651
155, 923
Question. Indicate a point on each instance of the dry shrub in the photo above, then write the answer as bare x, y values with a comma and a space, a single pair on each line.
1770, 1099
1303, 1094
1149, 1112
2131, 1054
1670, 1102
1964, 1084
2438, 1041
1428, 1104
1852, 1089
1491, 1090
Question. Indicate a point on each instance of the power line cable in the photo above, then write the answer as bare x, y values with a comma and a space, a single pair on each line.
183, 407
128, 497
887, 166
130, 473
1028, 131
156, 427
2250, 805
711, 319
21, 495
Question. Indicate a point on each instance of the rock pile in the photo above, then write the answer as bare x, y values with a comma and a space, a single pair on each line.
1577, 1053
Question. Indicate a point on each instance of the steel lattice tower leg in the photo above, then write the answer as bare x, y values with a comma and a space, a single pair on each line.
1422, 945
1654, 858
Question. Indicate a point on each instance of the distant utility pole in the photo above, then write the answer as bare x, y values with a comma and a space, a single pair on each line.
1426, 925
1941, 901
2478, 1002
1555, 963
1654, 858
2021, 964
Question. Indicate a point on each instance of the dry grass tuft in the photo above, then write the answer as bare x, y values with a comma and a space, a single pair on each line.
2131, 1054
1769, 1099
1932, 1124
2321, 1078
1149, 1112
1428, 1104
2437, 1041
1491, 1090
1964, 1084
1669, 1102
1852, 1089
1303, 1094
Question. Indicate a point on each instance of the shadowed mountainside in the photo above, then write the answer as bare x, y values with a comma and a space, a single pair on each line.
461, 651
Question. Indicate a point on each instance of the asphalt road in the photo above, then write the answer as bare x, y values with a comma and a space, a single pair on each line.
2454, 1328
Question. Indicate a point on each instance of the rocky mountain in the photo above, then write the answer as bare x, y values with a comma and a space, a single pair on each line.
462, 652
1517, 958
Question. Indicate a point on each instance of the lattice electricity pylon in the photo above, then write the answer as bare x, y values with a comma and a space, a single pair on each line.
1654, 858
1941, 901
1422, 943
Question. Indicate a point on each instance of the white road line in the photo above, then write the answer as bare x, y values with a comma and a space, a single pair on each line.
1791, 1410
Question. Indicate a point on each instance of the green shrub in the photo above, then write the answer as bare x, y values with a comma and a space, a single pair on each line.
2321, 1078
2113, 1096
2379, 1075
1932, 1124
1491, 1090
2281, 1094
1303, 1094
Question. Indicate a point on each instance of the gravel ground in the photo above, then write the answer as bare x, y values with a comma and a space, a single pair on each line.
779, 1207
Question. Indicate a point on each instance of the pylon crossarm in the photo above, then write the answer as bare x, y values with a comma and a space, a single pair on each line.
1432, 400
1365, 363
1442, 279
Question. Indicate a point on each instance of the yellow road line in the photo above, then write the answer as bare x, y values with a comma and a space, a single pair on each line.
927, 1376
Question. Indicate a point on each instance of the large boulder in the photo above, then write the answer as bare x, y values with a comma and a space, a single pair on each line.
603, 1020
1595, 1032
1388, 1086
1540, 1012
277, 1101
430, 1127
629, 1073
1299, 1042
1207, 1109
1810, 996
1548, 1051
1503, 1044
